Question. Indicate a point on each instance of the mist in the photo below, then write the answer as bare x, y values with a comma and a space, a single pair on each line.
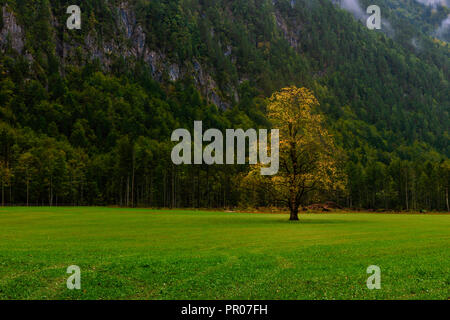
354, 8
444, 28
435, 3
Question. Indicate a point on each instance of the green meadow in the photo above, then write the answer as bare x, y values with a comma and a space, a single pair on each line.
156, 254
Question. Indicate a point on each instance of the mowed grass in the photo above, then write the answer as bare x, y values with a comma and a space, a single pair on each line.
150, 254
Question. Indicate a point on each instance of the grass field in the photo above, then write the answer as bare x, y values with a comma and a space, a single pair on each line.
150, 254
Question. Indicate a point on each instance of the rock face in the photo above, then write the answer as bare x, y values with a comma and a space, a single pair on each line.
11, 32
128, 41
292, 36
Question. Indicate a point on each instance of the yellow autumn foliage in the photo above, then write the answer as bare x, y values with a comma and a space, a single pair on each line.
308, 159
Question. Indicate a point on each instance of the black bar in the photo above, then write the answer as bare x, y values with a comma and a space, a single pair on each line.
223, 309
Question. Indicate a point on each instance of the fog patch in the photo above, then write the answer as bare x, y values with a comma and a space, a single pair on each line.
435, 3
444, 29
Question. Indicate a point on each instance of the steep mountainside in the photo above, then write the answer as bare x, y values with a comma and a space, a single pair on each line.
139, 69
407, 20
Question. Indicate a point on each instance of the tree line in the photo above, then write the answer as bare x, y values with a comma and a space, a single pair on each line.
74, 132
136, 170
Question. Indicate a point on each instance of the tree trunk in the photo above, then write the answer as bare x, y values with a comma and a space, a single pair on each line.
128, 191
28, 188
51, 192
198, 187
207, 188
173, 204
293, 206
406, 193
446, 199
132, 186
294, 214
150, 191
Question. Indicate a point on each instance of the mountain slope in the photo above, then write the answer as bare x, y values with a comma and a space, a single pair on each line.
139, 69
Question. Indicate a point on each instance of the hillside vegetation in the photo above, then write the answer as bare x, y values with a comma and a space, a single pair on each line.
86, 115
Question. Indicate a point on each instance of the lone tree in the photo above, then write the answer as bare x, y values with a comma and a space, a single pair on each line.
307, 152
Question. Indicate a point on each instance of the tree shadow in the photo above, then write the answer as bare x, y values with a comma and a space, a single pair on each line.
325, 221
248, 221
